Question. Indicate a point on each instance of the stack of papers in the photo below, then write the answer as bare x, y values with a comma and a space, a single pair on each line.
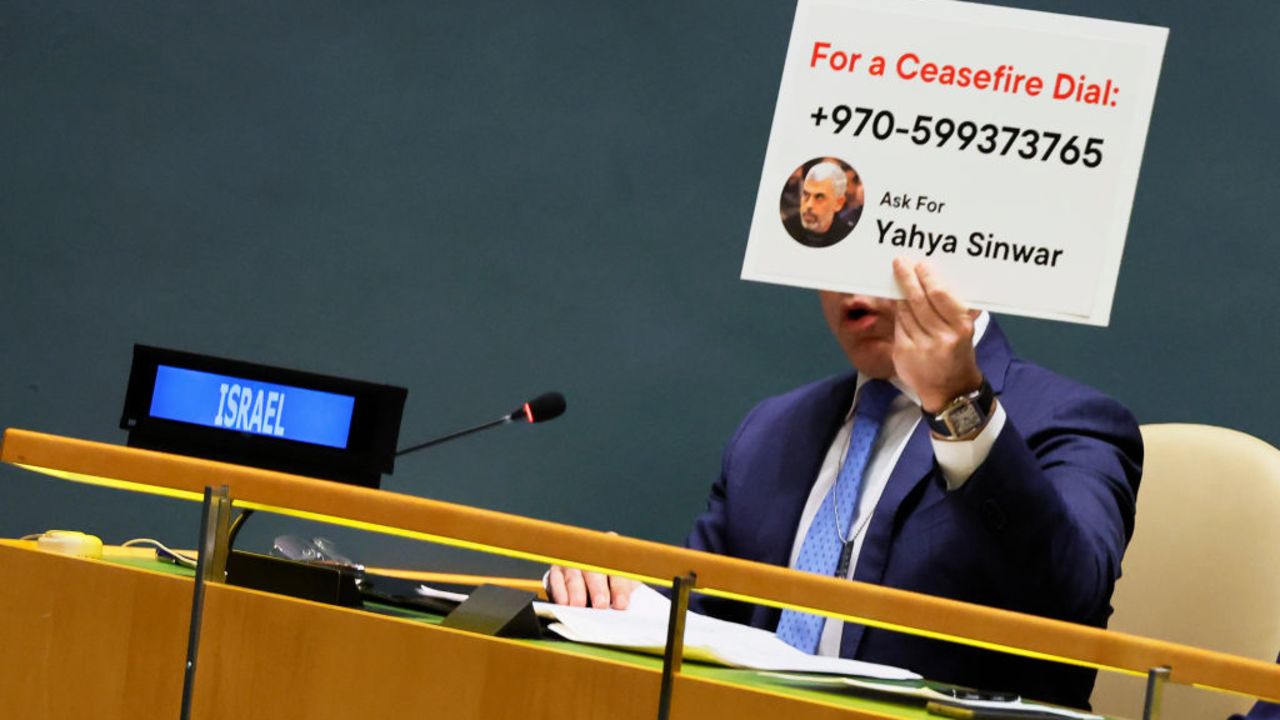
922, 694
642, 627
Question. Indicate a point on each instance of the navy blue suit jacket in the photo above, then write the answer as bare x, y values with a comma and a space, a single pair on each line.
1040, 527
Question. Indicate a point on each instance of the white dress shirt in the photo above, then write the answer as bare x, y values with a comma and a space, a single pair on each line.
957, 460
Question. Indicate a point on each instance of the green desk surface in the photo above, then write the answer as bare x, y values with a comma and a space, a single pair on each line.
747, 678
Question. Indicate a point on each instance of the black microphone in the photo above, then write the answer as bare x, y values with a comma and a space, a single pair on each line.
547, 406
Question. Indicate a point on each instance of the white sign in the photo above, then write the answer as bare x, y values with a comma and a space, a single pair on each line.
1003, 145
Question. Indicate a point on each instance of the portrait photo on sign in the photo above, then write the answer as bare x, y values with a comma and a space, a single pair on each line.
821, 202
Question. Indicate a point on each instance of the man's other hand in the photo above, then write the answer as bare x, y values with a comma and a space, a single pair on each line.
578, 588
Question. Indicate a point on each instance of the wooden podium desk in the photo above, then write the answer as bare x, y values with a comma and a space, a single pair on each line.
94, 639
99, 640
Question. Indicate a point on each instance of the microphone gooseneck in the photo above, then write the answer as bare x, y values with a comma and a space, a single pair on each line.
546, 406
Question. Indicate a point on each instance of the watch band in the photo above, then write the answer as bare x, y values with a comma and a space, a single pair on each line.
963, 416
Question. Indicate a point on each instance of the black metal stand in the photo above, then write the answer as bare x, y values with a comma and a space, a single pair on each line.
211, 566
498, 611
673, 655
1156, 680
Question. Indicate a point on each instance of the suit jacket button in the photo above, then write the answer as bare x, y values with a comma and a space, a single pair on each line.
994, 515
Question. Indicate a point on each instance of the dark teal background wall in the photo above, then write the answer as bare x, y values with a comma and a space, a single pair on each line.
482, 201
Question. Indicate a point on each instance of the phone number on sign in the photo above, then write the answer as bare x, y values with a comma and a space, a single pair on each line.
987, 138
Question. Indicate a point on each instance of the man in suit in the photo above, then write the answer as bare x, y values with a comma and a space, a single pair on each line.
987, 479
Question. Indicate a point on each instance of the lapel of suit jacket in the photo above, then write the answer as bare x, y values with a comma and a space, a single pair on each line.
914, 466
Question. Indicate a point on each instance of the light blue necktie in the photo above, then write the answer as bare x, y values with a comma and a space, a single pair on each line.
822, 547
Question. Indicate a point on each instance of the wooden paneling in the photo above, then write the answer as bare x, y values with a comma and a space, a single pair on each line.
89, 639
86, 639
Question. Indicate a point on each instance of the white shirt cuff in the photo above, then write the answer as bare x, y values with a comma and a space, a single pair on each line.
960, 458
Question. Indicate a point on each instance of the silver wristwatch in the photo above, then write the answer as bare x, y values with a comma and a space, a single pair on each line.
964, 416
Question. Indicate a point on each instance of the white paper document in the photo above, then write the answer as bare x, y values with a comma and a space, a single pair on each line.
926, 694
643, 628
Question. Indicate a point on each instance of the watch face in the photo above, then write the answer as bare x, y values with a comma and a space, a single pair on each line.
964, 419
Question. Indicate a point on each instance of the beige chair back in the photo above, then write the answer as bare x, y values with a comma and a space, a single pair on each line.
1203, 567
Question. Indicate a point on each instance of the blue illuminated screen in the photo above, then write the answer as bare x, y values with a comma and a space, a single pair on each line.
261, 408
